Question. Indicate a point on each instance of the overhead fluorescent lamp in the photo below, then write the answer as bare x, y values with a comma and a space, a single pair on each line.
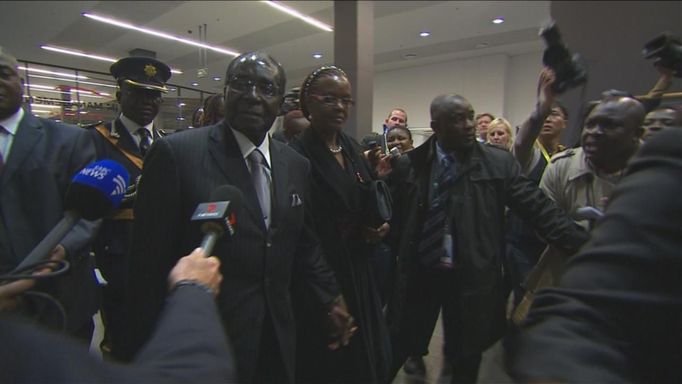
299, 15
53, 73
74, 52
152, 32
74, 81
45, 106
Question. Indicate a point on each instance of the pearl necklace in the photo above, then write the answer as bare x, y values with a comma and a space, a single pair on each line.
335, 150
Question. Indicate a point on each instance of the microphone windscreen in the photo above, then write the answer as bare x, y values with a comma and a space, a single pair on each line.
97, 189
228, 193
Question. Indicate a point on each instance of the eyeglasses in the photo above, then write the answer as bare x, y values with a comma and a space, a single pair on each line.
333, 101
242, 85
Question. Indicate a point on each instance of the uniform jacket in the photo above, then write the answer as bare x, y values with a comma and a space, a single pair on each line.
45, 155
181, 171
489, 179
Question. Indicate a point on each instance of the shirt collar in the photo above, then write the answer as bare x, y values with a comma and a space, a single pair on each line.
441, 154
246, 146
11, 123
132, 126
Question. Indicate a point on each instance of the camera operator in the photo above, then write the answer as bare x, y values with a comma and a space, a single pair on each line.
188, 344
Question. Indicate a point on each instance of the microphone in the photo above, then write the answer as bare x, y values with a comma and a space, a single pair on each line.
94, 191
218, 216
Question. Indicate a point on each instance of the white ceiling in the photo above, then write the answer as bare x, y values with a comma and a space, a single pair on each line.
458, 29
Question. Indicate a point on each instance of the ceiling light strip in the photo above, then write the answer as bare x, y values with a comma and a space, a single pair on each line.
299, 15
152, 32
74, 81
53, 73
74, 52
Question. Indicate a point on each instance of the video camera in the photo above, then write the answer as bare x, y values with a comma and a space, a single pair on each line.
570, 70
667, 49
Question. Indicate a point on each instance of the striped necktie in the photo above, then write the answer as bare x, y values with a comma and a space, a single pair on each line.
145, 140
436, 248
261, 178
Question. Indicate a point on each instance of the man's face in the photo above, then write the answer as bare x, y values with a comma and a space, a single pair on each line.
10, 88
253, 96
611, 133
138, 104
658, 120
554, 124
482, 126
454, 125
397, 118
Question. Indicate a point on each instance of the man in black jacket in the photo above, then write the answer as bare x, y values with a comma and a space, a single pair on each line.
189, 343
449, 214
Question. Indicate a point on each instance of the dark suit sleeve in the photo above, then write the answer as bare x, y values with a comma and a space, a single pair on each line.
82, 154
528, 201
155, 246
615, 315
189, 345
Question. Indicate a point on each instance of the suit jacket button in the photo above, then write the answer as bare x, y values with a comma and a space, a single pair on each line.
268, 244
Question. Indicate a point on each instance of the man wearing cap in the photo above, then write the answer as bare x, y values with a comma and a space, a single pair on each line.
141, 82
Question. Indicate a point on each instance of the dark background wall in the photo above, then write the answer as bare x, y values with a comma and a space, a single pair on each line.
610, 35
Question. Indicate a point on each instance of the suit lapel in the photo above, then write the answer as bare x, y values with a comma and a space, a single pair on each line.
30, 132
125, 140
225, 151
280, 180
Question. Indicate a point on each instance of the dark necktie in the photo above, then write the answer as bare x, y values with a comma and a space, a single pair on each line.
437, 244
261, 178
145, 140
3, 131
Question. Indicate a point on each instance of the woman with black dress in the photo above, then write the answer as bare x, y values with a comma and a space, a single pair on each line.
337, 202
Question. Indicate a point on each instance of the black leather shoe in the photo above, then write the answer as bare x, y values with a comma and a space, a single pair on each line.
415, 366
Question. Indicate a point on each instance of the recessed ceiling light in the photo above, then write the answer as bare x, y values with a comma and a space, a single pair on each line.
409, 56
424, 33
125, 25
498, 20
317, 55
195, 84
216, 78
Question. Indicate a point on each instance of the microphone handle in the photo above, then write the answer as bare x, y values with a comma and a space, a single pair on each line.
45, 247
208, 242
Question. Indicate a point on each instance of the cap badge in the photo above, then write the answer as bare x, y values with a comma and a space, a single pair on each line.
150, 70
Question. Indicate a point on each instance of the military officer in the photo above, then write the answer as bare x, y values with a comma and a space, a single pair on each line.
141, 84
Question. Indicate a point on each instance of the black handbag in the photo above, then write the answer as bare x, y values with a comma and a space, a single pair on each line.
379, 203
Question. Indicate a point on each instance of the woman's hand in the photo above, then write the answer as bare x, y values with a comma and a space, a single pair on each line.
374, 235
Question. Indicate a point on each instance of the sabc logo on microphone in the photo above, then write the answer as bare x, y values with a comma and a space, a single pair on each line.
107, 176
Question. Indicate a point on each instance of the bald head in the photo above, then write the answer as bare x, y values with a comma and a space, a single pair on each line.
612, 131
452, 120
10, 85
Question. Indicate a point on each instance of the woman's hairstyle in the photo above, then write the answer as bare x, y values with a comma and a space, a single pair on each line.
400, 128
326, 70
501, 121
213, 110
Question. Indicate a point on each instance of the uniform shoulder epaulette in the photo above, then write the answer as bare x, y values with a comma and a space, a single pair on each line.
568, 153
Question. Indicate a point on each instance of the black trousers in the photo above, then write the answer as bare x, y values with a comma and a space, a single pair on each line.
270, 368
428, 291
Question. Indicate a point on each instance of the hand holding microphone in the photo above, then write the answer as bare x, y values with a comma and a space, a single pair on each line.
218, 216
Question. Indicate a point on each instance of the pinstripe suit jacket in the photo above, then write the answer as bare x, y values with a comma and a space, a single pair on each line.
180, 172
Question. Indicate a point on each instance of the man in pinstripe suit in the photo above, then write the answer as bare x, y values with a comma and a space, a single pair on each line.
180, 172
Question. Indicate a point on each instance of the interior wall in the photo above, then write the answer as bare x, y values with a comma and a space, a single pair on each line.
498, 84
